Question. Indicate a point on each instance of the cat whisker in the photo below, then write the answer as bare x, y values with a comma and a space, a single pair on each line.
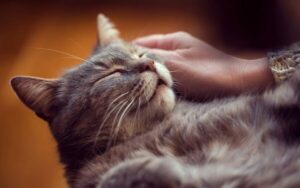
103, 123
116, 111
136, 117
139, 111
109, 106
114, 122
65, 53
69, 57
108, 113
115, 134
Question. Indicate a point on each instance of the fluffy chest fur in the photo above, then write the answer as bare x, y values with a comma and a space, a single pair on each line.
232, 142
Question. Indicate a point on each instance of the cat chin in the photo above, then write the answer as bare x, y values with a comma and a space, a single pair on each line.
163, 100
161, 104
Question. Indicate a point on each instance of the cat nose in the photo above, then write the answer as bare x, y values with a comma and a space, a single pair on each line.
148, 65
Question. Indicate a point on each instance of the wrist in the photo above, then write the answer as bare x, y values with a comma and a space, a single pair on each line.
252, 75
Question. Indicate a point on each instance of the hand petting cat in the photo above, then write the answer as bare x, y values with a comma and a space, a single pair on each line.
201, 71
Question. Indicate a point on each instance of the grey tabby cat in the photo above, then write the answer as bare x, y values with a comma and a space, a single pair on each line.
117, 124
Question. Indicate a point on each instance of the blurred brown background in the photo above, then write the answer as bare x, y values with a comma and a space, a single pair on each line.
28, 157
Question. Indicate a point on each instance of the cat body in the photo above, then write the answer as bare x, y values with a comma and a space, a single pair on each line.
224, 143
117, 124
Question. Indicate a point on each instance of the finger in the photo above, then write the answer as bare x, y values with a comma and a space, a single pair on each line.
165, 55
154, 41
171, 41
170, 59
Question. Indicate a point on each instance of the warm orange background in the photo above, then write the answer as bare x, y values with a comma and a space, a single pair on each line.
28, 156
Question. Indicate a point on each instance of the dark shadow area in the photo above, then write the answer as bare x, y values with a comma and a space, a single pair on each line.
257, 24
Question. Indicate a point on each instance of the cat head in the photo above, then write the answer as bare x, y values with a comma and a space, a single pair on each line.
119, 91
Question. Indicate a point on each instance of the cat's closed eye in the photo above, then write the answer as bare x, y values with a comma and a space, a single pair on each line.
110, 76
100, 64
113, 74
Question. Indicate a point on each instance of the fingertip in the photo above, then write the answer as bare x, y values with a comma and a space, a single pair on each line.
137, 41
141, 42
150, 41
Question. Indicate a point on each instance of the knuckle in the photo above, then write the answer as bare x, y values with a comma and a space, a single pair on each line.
182, 34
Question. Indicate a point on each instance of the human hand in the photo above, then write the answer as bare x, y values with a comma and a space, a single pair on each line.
201, 71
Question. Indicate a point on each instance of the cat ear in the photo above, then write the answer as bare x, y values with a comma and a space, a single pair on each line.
36, 93
107, 32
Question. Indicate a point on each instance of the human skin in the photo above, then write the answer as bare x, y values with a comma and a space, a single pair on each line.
202, 72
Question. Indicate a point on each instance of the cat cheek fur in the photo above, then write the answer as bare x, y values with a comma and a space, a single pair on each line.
164, 74
164, 100
165, 97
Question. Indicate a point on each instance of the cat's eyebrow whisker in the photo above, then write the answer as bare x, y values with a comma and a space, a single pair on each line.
64, 53
69, 57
